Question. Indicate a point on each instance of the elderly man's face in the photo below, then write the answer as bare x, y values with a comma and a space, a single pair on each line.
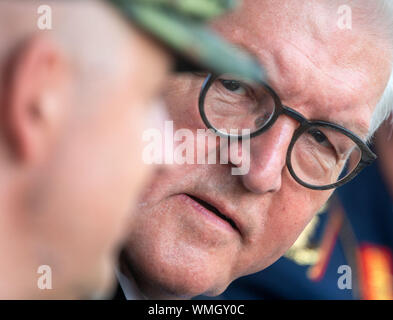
317, 69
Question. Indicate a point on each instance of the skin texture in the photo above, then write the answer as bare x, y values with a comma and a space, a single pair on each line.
73, 105
321, 71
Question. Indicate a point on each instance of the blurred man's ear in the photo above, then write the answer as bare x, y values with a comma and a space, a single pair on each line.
35, 99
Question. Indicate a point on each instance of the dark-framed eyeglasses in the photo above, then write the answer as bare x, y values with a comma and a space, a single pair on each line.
321, 156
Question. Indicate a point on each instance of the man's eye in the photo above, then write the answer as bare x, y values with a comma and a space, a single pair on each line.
234, 86
320, 138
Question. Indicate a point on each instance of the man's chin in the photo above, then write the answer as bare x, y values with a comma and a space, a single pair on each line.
183, 283
179, 251
174, 291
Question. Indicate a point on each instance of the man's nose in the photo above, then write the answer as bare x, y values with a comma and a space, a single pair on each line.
268, 157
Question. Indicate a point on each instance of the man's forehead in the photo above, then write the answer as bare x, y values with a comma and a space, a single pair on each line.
309, 27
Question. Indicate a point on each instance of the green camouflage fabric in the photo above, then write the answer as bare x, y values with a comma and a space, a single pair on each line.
198, 9
182, 26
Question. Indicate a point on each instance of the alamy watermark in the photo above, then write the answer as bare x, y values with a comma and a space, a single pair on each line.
44, 21
45, 280
345, 20
184, 146
344, 281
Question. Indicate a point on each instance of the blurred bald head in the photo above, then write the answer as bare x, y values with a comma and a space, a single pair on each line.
91, 34
73, 103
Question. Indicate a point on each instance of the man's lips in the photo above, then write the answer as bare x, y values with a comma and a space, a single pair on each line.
214, 210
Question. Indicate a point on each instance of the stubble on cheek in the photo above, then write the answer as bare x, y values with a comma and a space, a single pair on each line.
177, 227
173, 248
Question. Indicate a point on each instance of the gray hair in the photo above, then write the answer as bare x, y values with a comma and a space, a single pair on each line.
384, 10
384, 107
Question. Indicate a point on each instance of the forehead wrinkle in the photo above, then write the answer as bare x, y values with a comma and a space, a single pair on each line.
297, 68
278, 59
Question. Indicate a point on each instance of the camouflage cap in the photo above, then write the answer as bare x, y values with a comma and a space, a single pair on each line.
181, 26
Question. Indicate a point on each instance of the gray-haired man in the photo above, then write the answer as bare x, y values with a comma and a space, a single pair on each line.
198, 226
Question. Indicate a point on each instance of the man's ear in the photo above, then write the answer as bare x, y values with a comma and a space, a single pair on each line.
35, 99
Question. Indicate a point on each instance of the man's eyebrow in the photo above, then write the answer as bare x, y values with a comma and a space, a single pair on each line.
361, 129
